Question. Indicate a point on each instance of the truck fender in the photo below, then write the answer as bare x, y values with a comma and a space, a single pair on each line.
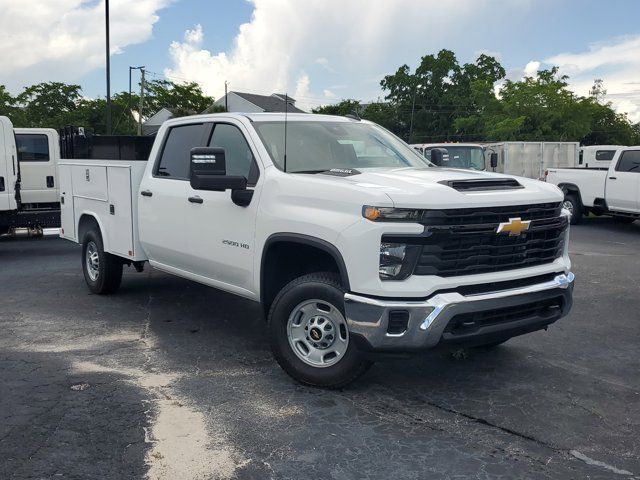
307, 240
96, 218
570, 188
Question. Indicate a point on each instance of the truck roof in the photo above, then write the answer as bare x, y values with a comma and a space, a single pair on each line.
270, 116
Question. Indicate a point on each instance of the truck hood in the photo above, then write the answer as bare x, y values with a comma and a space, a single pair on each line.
428, 187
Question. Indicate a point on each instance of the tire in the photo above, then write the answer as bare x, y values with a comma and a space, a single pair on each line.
103, 277
314, 304
573, 204
623, 219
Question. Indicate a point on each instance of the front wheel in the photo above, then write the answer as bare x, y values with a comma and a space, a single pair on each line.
309, 334
102, 271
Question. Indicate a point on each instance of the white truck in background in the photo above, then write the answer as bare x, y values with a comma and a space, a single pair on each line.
613, 191
349, 239
597, 156
524, 159
28, 179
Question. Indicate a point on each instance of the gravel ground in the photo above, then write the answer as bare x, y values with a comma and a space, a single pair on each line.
172, 380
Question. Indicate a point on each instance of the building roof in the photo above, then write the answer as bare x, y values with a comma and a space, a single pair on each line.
270, 103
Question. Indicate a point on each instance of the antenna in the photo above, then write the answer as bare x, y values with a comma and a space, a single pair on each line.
286, 111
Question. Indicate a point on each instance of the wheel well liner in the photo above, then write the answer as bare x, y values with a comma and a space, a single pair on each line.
307, 241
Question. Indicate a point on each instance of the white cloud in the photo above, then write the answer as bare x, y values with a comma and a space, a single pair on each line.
332, 41
60, 40
617, 62
531, 69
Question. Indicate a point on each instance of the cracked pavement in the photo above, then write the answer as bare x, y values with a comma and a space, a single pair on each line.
180, 383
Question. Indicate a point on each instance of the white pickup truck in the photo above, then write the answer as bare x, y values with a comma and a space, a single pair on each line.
603, 191
351, 241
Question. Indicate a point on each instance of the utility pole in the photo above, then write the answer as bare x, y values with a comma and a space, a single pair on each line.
413, 109
226, 98
140, 108
130, 93
106, 17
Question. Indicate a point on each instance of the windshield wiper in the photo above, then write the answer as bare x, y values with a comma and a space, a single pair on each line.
308, 171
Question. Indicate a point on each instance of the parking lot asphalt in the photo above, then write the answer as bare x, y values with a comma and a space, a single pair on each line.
169, 379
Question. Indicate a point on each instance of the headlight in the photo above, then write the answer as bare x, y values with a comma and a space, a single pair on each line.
397, 260
389, 214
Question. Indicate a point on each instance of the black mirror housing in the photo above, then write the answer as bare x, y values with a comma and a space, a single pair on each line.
208, 171
439, 156
493, 158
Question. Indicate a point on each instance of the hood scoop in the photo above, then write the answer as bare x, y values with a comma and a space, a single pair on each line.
479, 185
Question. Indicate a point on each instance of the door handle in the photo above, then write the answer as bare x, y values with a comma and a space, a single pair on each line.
613, 178
146, 193
196, 199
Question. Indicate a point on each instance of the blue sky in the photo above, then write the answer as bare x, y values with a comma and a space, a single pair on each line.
319, 50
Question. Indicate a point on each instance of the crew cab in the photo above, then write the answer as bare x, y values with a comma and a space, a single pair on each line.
352, 242
610, 191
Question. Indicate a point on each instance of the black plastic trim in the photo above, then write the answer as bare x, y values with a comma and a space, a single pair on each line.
303, 240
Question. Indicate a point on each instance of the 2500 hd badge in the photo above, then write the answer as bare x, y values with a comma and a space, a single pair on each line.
231, 243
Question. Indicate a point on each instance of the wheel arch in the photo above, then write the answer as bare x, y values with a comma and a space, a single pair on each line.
299, 243
571, 188
88, 220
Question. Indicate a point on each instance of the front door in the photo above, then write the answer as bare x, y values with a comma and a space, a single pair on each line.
623, 184
221, 233
163, 198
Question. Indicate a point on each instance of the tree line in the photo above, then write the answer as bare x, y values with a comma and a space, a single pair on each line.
442, 100
56, 105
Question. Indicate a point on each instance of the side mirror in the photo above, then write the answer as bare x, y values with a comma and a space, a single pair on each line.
208, 171
439, 156
493, 158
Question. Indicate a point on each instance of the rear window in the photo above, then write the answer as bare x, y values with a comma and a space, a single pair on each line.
629, 161
605, 154
32, 147
176, 154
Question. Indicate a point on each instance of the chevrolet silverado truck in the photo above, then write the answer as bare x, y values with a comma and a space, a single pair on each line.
352, 242
611, 191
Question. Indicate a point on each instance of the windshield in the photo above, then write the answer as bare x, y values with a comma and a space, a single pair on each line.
318, 146
461, 157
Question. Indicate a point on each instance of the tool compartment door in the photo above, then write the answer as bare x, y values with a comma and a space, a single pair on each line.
120, 223
67, 215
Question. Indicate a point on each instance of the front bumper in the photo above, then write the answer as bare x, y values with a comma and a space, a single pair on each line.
458, 319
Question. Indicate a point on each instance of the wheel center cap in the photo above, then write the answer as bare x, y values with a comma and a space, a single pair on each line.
315, 333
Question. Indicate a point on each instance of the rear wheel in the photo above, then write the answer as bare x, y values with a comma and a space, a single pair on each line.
102, 271
309, 334
574, 206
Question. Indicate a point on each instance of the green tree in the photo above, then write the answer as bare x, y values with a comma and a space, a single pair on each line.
9, 107
181, 98
48, 104
345, 107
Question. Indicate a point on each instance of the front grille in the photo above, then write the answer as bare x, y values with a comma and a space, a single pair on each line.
466, 323
490, 215
465, 241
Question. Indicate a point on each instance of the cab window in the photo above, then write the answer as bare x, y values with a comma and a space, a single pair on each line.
32, 147
176, 153
239, 158
629, 161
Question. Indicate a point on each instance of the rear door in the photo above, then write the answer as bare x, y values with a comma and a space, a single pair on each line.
623, 183
163, 204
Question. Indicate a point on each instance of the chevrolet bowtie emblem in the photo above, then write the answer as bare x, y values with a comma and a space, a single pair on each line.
515, 226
